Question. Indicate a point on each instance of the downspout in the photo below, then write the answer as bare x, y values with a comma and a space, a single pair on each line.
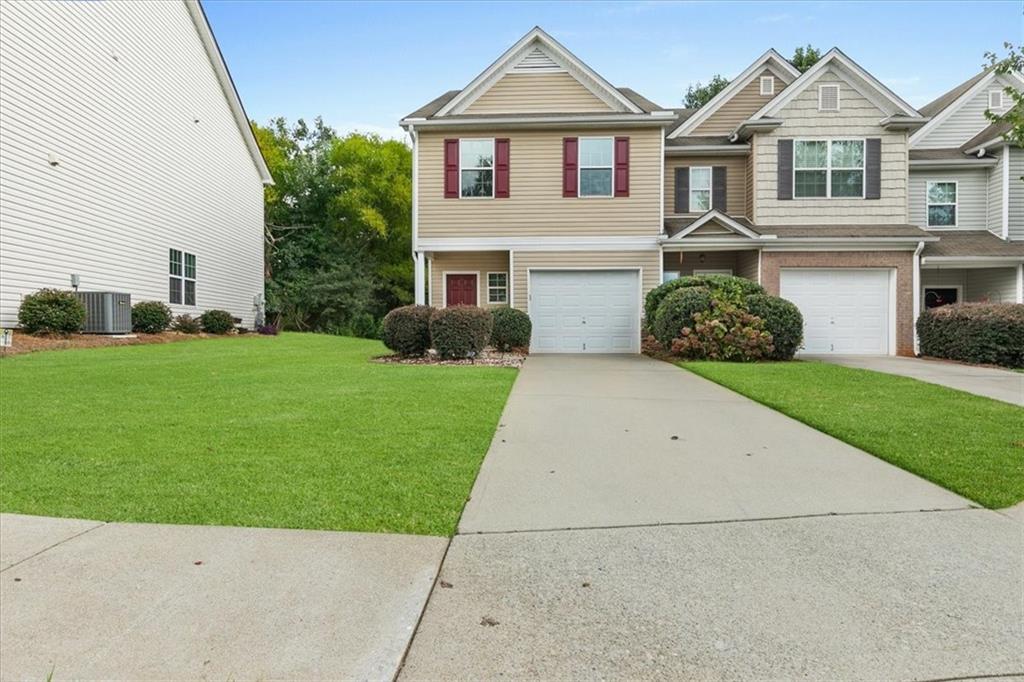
419, 285
917, 293
1006, 192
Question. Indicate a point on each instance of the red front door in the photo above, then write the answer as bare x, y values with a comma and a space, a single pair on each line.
460, 290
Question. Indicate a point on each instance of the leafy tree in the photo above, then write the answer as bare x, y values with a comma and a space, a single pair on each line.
1013, 62
698, 94
805, 57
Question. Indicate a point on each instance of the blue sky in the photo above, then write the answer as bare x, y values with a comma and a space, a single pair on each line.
365, 65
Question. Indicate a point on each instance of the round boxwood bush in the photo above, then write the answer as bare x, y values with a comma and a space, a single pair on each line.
985, 333
460, 331
217, 321
722, 287
150, 317
51, 311
676, 311
512, 329
782, 319
406, 330
186, 324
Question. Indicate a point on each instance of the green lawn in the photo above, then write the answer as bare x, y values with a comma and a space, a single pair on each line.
971, 445
295, 431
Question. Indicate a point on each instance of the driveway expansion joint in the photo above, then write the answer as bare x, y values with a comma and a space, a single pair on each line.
99, 524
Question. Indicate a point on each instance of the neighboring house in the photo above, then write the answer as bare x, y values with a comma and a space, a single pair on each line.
541, 186
125, 158
965, 185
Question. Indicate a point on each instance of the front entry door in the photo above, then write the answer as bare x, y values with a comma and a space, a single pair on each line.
460, 290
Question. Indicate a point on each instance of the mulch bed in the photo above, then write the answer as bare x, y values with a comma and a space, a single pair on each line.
488, 358
26, 343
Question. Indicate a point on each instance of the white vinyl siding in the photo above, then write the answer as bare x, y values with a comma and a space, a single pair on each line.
1016, 193
962, 124
995, 285
995, 192
149, 157
971, 196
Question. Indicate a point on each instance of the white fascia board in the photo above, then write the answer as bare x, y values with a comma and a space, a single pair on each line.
737, 84
722, 218
599, 86
741, 149
972, 261
540, 243
966, 162
594, 120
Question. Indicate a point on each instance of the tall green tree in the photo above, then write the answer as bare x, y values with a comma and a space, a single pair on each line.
1011, 62
805, 57
699, 94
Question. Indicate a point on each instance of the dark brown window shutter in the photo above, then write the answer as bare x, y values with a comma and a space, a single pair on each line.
718, 187
873, 168
622, 166
785, 165
451, 169
682, 189
570, 162
501, 150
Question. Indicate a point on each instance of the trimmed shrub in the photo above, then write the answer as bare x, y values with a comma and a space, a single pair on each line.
406, 330
676, 311
51, 311
267, 329
150, 317
983, 333
217, 321
726, 332
782, 319
511, 329
460, 331
722, 287
186, 324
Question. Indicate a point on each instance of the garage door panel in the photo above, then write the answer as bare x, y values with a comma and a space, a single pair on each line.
585, 311
845, 310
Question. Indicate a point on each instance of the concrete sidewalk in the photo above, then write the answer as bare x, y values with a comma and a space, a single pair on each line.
989, 382
88, 600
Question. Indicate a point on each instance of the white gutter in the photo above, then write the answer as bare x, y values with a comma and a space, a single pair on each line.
710, 149
541, 120
917, 293
966, 162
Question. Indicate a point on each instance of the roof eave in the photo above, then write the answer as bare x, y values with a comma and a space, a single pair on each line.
966, 162
897, 122
739, 149
540, 120
751, 126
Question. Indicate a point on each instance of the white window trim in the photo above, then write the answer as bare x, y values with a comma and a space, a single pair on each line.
828, 166
579, 170
1001, 95
710, 190
928, 204
713, 271
489, 288
494, 161
444, 284
821, 89
959, 291
182, 277
770, 82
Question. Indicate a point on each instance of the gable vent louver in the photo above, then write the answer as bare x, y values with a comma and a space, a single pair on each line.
537, 61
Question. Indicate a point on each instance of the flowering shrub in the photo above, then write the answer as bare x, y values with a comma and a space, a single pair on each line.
726, 332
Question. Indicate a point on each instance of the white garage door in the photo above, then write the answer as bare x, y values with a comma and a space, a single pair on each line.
845, 311
585, 311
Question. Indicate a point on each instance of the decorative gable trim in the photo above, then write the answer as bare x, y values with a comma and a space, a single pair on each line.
771, 60
719, 218
955, 106
523, 52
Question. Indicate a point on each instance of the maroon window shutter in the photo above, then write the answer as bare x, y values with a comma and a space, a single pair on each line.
501, 168
622, 166
570, 163
451, 169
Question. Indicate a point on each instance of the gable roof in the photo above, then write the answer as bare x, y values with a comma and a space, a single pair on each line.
992, 136
949, 103
769, 58
944, 100
869, 86
227, 86
733, 225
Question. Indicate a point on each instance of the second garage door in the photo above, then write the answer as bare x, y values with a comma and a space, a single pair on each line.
845, 311
585, 311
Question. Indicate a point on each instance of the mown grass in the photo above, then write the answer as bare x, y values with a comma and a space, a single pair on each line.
971, 445
295, 431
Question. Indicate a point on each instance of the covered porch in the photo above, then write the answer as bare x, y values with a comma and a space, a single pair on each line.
972, 267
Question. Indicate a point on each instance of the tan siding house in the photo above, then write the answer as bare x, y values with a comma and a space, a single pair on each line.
535, 93
741, 105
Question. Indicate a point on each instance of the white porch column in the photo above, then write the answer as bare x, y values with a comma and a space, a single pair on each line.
1020, 283
420, 278
916, 283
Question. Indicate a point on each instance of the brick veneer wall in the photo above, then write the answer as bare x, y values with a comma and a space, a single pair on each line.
902, 261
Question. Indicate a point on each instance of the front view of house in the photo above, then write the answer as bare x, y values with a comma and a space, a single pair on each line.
543, 187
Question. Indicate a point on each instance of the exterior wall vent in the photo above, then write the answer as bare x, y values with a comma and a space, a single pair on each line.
106, 312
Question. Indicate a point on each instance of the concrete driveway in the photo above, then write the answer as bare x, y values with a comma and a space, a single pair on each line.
88, 600
990, 382
632, 520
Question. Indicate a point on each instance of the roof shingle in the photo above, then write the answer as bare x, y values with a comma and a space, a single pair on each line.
968, 243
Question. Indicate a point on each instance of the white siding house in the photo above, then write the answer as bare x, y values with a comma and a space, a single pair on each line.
121, 139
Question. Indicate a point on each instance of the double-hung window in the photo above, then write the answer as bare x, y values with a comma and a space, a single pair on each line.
182, 280
476, 167
497, 287
700, 188
596, 158
828, 168
941, 204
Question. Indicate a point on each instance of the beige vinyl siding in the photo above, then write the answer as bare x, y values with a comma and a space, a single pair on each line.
536, 206
480, 262
749, 189
649, 261
962, 124
747, 265
740, 263
1016, 193
994, 213
972, 196
537, 93
857, 118
735, 179
739, 107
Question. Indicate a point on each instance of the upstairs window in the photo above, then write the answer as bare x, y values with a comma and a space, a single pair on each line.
700, 189
828, 168
182, 280
596, 158
942, 204
767, 86
476, 167
828, 98
995, 99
